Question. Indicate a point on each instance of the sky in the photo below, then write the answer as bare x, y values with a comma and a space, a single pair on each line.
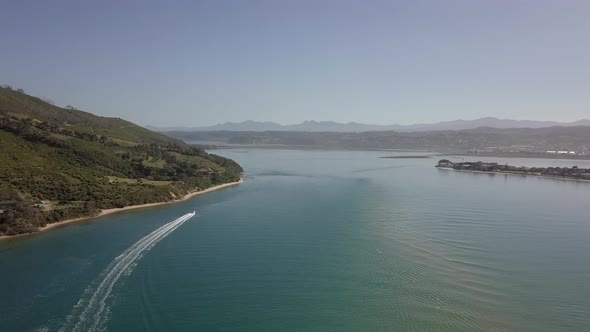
197, 63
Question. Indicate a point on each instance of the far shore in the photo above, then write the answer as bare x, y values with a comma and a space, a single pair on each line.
408, 157
131, 207
519, 155
554, 177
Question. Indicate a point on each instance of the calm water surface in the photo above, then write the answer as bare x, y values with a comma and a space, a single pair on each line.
321, 240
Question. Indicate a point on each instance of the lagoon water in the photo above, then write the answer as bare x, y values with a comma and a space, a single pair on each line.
316, 241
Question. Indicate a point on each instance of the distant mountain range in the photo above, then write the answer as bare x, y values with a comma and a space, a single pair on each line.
331, 126
484, 139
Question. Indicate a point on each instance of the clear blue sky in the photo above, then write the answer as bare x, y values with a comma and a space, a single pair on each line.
203, 62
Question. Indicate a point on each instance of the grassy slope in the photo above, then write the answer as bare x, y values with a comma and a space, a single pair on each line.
29, 106
82, 163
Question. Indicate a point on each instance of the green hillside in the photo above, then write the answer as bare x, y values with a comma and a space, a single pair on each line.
58, 163
19, 104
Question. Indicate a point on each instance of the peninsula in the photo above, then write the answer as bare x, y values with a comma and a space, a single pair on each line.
571, 173
59, 164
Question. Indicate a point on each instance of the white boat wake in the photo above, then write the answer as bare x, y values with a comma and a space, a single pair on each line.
92, 312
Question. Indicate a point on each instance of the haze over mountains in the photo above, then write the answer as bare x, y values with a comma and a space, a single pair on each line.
331, 126
506, 140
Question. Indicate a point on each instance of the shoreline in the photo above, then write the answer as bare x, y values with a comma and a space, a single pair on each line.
516, 173
516, 155
130, 207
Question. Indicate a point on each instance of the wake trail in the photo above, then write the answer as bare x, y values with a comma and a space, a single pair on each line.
91, 312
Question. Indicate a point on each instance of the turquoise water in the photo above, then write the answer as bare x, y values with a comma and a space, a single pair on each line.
319, 240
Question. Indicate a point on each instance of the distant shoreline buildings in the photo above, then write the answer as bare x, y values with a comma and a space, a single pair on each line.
561, 152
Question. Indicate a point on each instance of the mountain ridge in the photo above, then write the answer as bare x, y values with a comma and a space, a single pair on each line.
332, 126
481, 139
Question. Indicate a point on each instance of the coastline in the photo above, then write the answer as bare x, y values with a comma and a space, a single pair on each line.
516, 173
518, 155
131, 207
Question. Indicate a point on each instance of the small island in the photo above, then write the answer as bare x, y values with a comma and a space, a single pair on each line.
571, 173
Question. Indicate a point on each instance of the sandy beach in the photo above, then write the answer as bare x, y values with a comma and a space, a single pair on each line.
131, 207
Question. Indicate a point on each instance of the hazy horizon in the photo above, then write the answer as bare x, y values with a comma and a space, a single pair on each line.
364, 123
391, 62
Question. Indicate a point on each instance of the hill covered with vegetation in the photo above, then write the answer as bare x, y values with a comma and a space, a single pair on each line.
61, 163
